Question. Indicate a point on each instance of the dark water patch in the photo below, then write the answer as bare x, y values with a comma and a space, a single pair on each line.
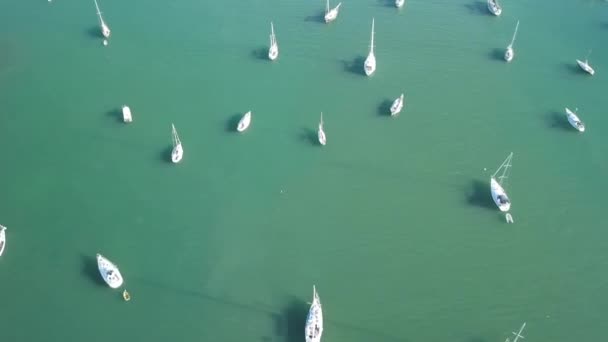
558, 120
478, 7
384, 109
290, 322
90, 270
479, 195
260, 53
309, 135
354, 66
497, 54
233, 122
387, 3
319, 17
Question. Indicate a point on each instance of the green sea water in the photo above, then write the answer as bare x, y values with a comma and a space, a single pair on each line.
392, 220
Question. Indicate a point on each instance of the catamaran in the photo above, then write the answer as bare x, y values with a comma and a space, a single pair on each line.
331, 14
397, 105
370, 61
399, 3
314, 320
321, 132
585, 65
510, 53
126, 114
273, 51
494, 7
574, 120
244, 122
105, 30
2, 238
518, 335
178, 151
499, 195
109, 272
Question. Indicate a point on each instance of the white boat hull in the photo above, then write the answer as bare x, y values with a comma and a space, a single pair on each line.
2, 239
509, 54
494, 7
109, 272
586, 67
314, 320
575, 121
321, 136
126, 114
332, 14
397, 106
244, 122
273, 52
370, 64
399, 3
177, 153
499, 196
105, 30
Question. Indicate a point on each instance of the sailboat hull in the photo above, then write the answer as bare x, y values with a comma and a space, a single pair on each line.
575, 121
399, 3
494, 7
2, 239
126, 114
397, 106
244, 122
499, 196
177, 153
332, 14
321, 136
314, 320
109, 272
509, 54
370, 64
586, 67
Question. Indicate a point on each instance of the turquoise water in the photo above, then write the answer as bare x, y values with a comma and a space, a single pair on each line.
392, 220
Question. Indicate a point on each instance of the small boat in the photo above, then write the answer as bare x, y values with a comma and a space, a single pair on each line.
105, 30
370, 62
518, 335
499, 195
331, 14
397, 105
126, 114
494, 7
244, 122
585, 65
2, 239
399, 3
178, 152
273, 51
314, 320
574, 120
321, 132
109, 272
126, 296
510, 53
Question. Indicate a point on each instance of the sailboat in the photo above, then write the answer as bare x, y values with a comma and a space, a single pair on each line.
574, 120
399, 3
321, 132
331, 14
499, 195
105, 30
370, 61
126, 114
178, 152
314, 320
109, 272
273, 51
518, 335
585, 65
244, 122
2, 239
510, 53
494, 7
397, 105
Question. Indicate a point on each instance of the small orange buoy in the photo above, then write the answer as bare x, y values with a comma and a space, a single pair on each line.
126, 296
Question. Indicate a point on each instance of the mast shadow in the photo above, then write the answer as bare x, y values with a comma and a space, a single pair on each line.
477, 7
309, 135
233, 122
90, 270
480, 195
260, 53
291, 321
497, 54
384, 109
94, 32
558, 120
317, 18
354, 66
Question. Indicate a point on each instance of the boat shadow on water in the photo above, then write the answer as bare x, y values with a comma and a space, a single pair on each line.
497, 54
317, 18
478, 7
479, 195
558, 120
384, 109
115, 114
94, 32
309, 135
354, 66
290, 322
573, 68
165, 154
260, 53
90, 269
233, 122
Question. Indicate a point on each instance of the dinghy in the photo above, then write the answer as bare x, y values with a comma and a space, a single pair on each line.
494, 7
399, 3
397, 105
273, 51
314, 320
331, 14
178, 152
126, 114
2, 239
510, 53
370, 62
499, 195
109, 272
244, 122
574, 120
105, 30
585, 65
321, 132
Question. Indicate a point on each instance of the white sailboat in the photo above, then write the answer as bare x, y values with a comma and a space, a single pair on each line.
331, 14
109, 272
399, 3
126, 114
499, 195
273, 51
244, 122
494, 7
510, 53
314, 320
2, 239
321, 133
370, 61
178, 151
105, 30
585, 65
574, 120
518, 335
397, 105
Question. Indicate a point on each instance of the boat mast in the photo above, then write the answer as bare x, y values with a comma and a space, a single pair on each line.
175, 136
514, 34
99, 13
372, 40
587, 58
327, 10
505, 167
321, 123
